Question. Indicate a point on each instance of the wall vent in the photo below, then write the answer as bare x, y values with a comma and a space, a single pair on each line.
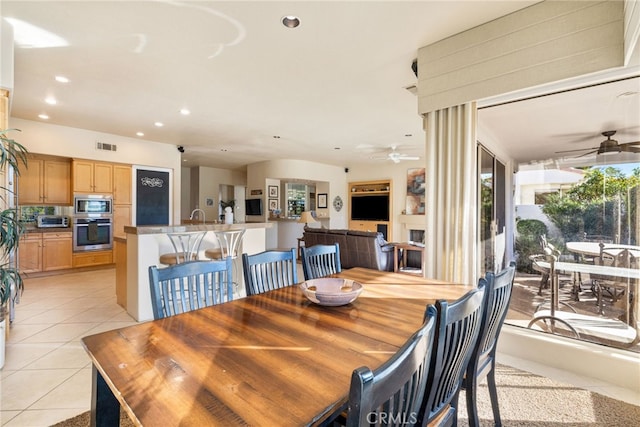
105, 146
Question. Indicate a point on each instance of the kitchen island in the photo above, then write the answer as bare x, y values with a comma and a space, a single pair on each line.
145, 244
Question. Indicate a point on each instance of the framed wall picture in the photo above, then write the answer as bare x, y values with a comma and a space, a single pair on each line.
322, 200
415, 192
273, 203
273, 192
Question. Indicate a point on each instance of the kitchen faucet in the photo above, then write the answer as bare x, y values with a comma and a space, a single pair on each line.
193, 212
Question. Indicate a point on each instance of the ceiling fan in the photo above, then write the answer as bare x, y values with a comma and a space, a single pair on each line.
395, 156
609, 146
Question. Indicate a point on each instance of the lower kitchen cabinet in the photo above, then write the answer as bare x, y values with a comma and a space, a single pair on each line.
45, 252
92, 258
57, 250
30, 253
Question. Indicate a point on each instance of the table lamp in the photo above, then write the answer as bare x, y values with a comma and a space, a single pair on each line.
306, 218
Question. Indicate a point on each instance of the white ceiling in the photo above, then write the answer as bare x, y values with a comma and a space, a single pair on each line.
332, 90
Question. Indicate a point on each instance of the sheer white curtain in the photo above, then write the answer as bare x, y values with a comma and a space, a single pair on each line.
451, 199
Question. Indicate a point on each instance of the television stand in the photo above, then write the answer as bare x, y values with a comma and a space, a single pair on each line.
371, 188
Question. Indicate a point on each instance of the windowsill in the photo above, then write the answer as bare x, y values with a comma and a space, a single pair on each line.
559, 357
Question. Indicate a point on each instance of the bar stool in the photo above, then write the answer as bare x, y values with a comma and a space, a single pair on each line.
185, 247
229, 242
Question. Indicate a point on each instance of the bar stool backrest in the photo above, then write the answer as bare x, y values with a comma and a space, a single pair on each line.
186, 245
229, 242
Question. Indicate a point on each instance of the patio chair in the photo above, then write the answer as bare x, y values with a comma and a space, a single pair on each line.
457, 331
269, 270
607, 286
483, 359
320, 261
189, 286
395, 390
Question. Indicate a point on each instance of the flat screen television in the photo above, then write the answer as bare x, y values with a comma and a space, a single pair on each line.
370, 207
253, 206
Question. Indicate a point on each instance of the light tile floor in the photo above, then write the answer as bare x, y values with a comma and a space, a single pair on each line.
47, 374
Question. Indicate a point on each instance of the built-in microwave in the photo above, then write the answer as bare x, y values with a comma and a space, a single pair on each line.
92, 204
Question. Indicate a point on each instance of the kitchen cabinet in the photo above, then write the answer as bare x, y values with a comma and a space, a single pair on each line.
92, 258
121, 184
121, 217
46, 251
30, 253
92, 177
45, 181
57, 250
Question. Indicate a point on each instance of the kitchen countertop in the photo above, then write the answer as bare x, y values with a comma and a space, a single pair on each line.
161, 229
34, 229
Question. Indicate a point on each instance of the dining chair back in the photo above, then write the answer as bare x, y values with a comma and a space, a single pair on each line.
498, 289
320, 261
269, 270
392, 394
456, 334
189, 286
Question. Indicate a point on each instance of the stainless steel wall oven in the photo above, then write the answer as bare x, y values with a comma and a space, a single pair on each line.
90, 234
92, 222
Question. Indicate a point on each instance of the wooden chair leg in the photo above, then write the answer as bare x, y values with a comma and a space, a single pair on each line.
493, 394
471, 393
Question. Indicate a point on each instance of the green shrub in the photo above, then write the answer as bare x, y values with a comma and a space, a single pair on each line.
528, 242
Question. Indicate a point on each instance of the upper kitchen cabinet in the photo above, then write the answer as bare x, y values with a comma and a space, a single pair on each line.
45, 181
92, 177
121, 184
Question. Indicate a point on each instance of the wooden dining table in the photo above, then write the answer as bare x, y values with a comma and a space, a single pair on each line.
270, 359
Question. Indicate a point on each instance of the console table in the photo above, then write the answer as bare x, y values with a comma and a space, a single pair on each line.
400, 260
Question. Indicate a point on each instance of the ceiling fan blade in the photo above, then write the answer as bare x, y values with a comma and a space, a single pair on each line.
587, 153
629, 148
579, 149
402, 157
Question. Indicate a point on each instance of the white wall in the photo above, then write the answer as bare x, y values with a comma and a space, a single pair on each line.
70, 142
209, 180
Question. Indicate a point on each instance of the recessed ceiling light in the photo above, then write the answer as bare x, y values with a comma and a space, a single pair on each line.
51, 101
185, 112
290, 21
43, 116
336, 148
62, 79
159, 124
140, 133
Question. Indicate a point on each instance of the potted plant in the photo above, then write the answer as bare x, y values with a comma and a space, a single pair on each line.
12, 156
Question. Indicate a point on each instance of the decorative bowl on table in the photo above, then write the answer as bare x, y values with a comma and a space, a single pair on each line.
331, 291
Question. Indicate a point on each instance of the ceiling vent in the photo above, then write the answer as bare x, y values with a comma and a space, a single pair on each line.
106, 147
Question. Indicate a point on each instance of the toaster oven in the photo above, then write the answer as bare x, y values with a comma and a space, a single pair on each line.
51, 221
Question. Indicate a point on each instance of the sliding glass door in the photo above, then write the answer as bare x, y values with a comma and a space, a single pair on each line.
491, 199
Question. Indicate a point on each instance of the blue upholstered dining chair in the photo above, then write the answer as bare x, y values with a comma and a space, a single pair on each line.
320, 261
189, 286
269, 270
395, 390
456, 334
498, 288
